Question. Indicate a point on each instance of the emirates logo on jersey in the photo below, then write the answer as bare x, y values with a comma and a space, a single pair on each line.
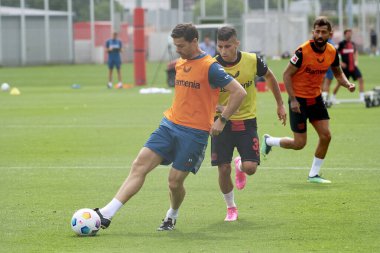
187, 70
320, 61
236, 75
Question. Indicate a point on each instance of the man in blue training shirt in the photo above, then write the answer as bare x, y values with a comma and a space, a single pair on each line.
208, 46
114, 47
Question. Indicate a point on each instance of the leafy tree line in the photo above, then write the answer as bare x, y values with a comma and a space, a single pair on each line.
81, 8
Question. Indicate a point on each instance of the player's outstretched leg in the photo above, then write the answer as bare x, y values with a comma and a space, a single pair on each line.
319, 180
232, 214
240, 176
167, 224
265, 148
104, 222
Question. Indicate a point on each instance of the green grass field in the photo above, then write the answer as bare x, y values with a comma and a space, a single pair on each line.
62, 149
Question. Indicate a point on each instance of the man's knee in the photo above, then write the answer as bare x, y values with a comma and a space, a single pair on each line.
224, 169
250, 168
175, 185
298, 145
140, 167
325, 137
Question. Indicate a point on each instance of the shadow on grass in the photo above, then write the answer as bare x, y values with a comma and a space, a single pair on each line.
214, 231
313, 186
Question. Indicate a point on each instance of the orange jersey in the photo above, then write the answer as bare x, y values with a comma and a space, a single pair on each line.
194, 100
307, 82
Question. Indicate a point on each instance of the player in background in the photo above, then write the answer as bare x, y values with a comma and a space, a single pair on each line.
208, 46
181, 138
241, 129
349, 55
303, 79
327, 81
114, 47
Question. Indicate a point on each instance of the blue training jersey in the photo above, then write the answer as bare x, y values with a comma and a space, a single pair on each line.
116, 46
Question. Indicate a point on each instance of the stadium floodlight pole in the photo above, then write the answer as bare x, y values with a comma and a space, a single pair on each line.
112, 15
349, 14
180, 11
22, 31
279, 18
246, 6
225, 10
47, 31
70, 30
317, 8
363, 23
158, 18
266, 11
340, 14
203, 8
92, 30
1, 46
286, 6
378, 19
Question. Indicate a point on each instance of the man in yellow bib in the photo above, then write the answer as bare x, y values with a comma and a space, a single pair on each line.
241, 129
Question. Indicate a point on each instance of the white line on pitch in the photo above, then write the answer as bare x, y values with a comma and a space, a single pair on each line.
205, 167
126, 125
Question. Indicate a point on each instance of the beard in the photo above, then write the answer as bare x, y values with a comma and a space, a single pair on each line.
320, 42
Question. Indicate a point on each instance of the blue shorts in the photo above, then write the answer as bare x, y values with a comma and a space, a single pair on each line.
183, 146
329, 74
114, 63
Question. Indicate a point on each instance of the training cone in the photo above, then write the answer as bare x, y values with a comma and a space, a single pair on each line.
15, 91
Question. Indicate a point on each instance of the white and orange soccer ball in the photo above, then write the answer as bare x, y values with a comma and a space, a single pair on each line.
85, 222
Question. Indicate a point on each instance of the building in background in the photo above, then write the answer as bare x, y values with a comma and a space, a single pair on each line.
26, 40
270, 27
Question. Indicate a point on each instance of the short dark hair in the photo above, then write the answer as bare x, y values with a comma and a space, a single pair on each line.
346, 31
187, 31
323, 21
226, 32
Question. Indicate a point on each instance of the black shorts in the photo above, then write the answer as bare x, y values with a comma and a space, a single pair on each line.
355, 74
312, 108
241, 134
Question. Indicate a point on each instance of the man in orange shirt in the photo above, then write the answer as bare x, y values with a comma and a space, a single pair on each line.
303, 79
181, 138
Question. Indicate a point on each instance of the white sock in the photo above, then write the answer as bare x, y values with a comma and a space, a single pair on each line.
273, 141
172, 213
229, 198
324, 95
361, 96
317, 163
111, 208
332, 97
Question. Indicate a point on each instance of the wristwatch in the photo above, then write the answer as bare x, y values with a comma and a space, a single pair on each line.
222, 119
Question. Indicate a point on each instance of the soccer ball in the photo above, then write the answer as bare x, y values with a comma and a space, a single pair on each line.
5, 87
85, 222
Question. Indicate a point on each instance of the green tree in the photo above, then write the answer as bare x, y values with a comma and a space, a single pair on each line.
81, 8
214, 8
